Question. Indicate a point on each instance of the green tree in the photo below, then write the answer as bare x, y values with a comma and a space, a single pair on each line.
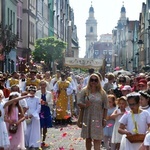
49, 50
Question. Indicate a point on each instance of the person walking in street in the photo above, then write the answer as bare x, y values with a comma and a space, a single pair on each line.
46, 107
13, 117
136, 121
145, 105
117, 114
14, 79
86, 79
93, 100
110, 122
4, 136
145, 100
33, 134
63, 88
110, 84
32, 80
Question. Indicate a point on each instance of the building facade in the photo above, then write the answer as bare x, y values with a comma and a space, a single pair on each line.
125, 38
131, 41
9, 19
103, 50
51, 17
34, 19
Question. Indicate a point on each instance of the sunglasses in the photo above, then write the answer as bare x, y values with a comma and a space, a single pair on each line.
93, 80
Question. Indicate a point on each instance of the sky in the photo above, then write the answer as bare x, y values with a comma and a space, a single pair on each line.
107, 14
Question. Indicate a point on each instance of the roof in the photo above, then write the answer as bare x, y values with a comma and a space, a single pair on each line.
131, 25
91, 9
123, 10
103, 46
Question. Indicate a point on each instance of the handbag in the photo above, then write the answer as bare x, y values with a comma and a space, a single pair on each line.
80, 118
81, 112
13, 128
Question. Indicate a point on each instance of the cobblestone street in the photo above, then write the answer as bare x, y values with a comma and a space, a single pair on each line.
65, 138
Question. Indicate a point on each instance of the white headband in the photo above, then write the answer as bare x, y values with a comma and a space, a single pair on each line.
15, 93
133, 94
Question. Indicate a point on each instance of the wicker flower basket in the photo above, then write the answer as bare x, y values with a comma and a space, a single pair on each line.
136, 138
28, 121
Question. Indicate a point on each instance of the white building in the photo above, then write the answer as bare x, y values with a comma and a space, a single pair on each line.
91, 32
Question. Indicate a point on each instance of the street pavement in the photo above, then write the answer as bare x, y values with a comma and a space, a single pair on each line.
65, 137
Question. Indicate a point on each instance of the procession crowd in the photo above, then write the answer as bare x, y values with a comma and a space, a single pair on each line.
115, 107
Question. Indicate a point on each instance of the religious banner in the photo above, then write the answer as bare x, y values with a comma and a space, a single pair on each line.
83, 62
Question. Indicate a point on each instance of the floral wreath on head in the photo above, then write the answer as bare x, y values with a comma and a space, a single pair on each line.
133, 94
15, 93
145, 94
32, 88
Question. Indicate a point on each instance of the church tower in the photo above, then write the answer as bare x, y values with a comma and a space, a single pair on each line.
91, 31
123, 18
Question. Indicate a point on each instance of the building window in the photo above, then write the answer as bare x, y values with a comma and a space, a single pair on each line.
11, 17
20, 28
45, 12
8, 15
13, 22
39, 31
91, 29
104, 52
32, 3
110, 52
31, 32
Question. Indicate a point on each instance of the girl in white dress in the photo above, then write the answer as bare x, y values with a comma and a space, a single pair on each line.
4, 139
117, 114
110, 122
33, 135
145, 101
136, 121
145, 105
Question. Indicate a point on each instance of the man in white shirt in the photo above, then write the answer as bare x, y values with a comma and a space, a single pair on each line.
86, 79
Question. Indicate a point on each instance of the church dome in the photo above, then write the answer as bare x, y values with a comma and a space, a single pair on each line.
91, 9
123, 10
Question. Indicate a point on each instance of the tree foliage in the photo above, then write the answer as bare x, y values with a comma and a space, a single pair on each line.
48, 49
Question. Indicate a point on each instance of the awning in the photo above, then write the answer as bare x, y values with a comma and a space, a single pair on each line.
83, 62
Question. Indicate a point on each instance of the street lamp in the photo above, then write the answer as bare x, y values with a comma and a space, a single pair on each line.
8, 41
